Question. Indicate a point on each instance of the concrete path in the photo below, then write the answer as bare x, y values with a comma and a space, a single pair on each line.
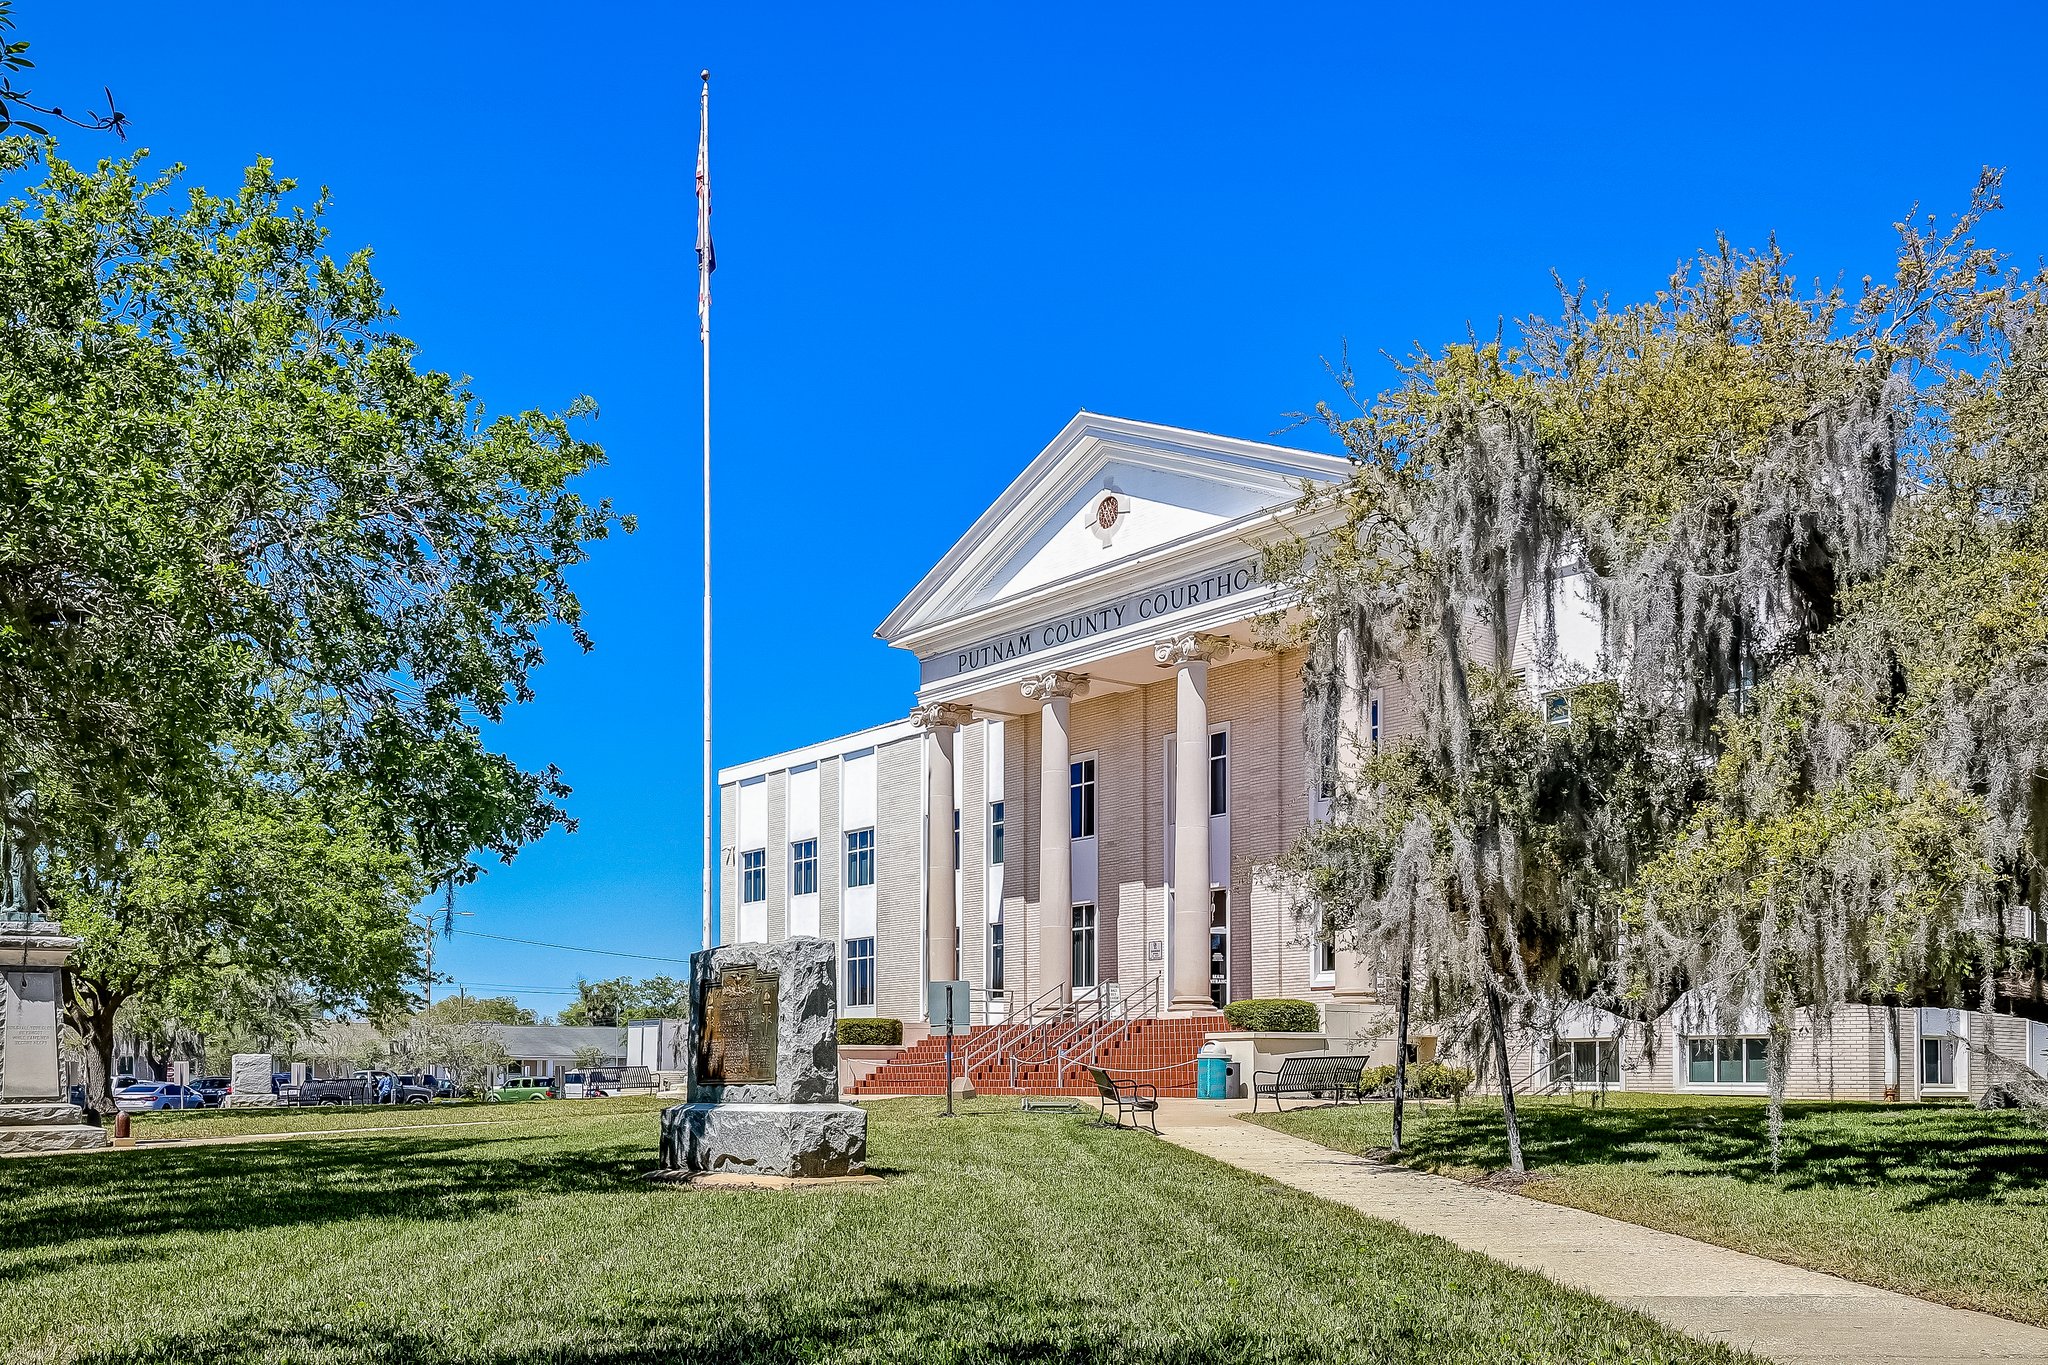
1782, 1312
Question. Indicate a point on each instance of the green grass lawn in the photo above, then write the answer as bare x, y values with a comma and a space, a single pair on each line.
1946, 1202
995, 1236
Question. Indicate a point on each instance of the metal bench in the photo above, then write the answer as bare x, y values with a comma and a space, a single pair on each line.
1129, 1097
1309, 1073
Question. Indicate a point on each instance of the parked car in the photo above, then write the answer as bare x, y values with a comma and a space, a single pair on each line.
212, 1089
589, 1085
145, 1096
520, 1088
364, 1087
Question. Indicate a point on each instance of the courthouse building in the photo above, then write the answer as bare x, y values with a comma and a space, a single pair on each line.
1099, 765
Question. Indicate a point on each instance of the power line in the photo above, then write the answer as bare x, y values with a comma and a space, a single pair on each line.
573, 947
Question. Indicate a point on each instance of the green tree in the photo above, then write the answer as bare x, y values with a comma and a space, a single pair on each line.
481, 1009
239, 517
619, 1000
1719, 468
262, 883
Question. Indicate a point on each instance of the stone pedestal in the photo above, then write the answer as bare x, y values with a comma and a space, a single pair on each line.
35, 1113
810, 1140
249, 1084
763, 1059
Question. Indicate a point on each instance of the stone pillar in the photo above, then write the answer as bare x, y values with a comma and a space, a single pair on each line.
1052, 938
1189, 655
942, 722
36, 1114
1353, 983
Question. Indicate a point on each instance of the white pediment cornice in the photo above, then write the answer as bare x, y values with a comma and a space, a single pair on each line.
1175, 488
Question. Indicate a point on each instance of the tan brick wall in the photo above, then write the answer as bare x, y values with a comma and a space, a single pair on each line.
831, 857
899, 880
778, 856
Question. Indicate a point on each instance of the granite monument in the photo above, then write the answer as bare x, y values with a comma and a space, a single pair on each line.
249, 1083
35, 1112
763, 1059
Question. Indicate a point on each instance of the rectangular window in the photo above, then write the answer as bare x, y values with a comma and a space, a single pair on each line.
1372, 722
1084, 947
1595, 1061
995, 955
860, 971
956, 836
1219, 773
1725, 1061
860, 857
753, 876
1937, 1061
1081, 799
803, 868
995, 832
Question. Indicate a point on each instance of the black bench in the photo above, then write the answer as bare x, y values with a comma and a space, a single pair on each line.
1129, 1097
1309, 1073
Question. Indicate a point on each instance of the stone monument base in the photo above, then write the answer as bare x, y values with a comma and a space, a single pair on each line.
241, 1101
27, 1128
807, 1140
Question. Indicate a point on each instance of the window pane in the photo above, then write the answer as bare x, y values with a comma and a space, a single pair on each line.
1610, 1062
1757, 1059
1699, 1067
995, 957
1729, 1052
995, 831
1219, 774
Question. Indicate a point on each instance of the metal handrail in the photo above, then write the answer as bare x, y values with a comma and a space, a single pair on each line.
991, 1042
1090, 1028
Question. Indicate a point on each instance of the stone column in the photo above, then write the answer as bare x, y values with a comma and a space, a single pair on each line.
942, 722
1052, 938
1190, 656
1353, 983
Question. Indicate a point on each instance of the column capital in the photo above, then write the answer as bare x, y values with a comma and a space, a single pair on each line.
1047, 686
1194, 647
940, 715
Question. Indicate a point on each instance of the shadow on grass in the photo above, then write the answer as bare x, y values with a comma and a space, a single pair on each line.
231, 1188
902, 1319
1956, 1154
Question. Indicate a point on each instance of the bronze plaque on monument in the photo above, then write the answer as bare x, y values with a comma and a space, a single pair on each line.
736, 1038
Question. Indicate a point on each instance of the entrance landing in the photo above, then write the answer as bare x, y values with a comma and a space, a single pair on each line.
1791, 1315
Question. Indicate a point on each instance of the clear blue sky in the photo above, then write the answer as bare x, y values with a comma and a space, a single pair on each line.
941, 231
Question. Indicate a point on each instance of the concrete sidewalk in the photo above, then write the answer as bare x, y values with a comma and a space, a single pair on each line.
1787, 1314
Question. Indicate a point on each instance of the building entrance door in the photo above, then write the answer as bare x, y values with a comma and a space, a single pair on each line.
1219, 947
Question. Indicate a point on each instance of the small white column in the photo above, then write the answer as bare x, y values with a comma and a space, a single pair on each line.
941, 721
1190, 656
1052, 937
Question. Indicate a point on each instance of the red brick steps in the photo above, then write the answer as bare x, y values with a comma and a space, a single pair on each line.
1158, 1052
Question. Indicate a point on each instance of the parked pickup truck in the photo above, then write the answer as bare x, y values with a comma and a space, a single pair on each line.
361, 1088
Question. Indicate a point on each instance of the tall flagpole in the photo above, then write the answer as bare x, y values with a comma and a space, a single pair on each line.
706, 263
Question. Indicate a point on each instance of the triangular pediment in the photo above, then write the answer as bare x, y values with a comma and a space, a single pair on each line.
1106, 490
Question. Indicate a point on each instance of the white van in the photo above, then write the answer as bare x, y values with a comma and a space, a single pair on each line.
589, 1085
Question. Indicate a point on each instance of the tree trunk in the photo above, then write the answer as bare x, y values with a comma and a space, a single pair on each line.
1401, 1053
91, 1015
1507, 1081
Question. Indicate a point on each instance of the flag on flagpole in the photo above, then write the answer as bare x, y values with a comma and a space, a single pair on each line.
707, 258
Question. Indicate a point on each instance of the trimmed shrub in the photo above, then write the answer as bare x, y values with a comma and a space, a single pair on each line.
1426, 1081
870, 1032
1272, 1016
